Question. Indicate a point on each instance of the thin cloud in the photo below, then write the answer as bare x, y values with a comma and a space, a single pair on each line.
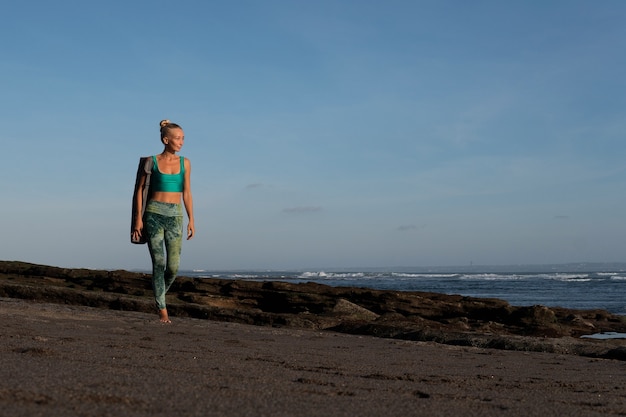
406, 227
302, 209
561, 217
255, 185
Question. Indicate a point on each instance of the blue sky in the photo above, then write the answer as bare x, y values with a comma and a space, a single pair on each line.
321, 134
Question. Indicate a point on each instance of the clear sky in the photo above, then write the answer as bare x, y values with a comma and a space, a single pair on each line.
327, 133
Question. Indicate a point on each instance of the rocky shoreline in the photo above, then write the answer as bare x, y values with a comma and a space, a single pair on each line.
417, 316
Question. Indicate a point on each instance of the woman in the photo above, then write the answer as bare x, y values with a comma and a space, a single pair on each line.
163, 219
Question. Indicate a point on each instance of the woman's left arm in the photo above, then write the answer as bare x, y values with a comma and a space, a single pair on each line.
188, 199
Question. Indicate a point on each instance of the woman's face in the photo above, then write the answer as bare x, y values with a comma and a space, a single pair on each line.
175, 139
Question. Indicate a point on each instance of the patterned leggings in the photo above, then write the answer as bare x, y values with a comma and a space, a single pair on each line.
163, 224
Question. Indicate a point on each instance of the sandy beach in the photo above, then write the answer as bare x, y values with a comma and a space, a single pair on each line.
78, 361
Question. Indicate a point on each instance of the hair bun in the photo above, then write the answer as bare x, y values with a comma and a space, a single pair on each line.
164, 122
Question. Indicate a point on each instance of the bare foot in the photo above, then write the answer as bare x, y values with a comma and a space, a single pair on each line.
163, 317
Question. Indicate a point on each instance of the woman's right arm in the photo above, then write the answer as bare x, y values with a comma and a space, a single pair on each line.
138, 203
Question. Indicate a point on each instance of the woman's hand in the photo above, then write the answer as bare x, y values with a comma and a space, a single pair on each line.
135, 234
190, 230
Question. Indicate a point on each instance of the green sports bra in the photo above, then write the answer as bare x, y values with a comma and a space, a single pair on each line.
169, 183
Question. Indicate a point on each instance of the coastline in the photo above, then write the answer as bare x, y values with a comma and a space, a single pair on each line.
417, 316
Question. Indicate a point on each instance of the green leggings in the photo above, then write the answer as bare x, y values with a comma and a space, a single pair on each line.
163, 223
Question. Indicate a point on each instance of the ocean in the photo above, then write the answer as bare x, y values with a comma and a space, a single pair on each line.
569, 288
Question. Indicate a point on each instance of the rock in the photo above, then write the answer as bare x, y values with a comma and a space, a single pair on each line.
348, 310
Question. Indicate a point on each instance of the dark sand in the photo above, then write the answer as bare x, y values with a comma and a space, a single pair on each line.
78, 361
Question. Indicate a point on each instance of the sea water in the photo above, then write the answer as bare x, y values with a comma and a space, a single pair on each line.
570, 289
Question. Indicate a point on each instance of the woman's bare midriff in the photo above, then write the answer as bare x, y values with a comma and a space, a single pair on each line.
166, 197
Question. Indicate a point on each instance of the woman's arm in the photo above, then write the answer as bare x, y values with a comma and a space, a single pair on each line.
188, 199
137, 223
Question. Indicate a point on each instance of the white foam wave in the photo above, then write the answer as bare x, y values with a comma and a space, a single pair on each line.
331, 275
408, 275
492, 277
243, 276
569, 277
